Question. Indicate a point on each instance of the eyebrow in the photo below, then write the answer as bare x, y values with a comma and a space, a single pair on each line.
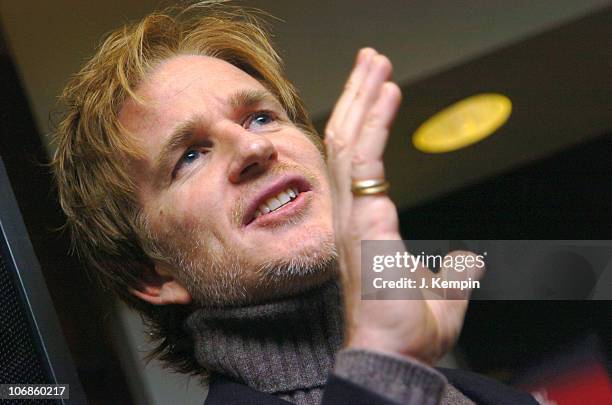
249, 97
180, 136
185, 131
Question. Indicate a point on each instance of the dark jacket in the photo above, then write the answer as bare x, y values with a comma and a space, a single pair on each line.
339, 391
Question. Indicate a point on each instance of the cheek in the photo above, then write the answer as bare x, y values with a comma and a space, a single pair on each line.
184, 209
301, 148
186, 225
315, 160
305, 153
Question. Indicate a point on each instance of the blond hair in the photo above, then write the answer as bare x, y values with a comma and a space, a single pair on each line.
95, 188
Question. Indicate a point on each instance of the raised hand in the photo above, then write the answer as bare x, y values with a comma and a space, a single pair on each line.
355, 139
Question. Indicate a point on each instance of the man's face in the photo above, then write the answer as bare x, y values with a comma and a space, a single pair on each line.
220, 156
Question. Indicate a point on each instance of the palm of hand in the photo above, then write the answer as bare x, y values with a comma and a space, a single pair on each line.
356, 135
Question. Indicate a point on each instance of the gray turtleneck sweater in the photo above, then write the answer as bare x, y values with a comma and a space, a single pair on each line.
288, 348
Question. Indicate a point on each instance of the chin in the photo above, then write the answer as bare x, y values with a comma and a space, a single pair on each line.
291, 284
295, 270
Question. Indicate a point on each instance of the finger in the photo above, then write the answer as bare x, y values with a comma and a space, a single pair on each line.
338, 163
378, 73
341, 144
351, 87
367, 160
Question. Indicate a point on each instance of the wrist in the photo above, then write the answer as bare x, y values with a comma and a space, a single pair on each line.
386, 343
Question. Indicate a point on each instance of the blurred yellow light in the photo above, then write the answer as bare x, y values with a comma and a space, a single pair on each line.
463, 123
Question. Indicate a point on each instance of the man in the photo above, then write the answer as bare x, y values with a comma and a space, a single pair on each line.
196, 190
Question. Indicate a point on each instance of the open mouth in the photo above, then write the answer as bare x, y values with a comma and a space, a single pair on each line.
279, 200
280, 196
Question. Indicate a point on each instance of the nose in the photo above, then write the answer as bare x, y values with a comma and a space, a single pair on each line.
252, 155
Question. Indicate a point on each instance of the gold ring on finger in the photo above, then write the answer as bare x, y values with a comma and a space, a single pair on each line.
369, 187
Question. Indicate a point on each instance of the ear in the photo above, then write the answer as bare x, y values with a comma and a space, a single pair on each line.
159, 287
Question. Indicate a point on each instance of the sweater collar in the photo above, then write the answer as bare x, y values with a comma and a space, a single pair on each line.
277, 347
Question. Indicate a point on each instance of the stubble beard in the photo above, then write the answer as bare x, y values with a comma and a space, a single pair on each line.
228, 278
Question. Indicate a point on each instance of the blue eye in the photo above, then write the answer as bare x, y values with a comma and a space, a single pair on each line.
187, 159
190, 156
262, 118
193, 157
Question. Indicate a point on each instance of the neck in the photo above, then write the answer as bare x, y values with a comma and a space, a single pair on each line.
285, 347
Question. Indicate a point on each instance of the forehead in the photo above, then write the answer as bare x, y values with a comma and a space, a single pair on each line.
174, 75
182, 86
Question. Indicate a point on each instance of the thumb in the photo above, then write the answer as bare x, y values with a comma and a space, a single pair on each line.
460, 274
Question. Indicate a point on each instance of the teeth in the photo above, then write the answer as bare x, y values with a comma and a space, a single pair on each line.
283, 198
276, 202
273, 203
